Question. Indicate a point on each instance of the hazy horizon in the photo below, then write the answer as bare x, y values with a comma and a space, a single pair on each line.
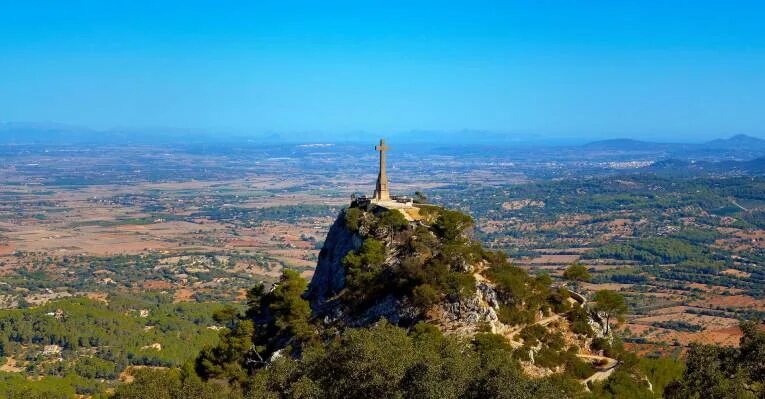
29, 132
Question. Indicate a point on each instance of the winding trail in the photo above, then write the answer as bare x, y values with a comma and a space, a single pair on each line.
602, 373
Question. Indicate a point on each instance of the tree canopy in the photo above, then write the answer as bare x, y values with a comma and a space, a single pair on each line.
611, 303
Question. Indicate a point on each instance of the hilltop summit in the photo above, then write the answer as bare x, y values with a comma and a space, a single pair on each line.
385, 258
377, 262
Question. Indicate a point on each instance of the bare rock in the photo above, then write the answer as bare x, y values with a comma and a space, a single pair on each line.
329, 277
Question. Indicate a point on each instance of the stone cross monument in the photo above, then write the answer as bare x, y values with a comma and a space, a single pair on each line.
381, 191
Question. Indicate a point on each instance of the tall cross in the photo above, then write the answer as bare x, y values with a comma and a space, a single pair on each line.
381, 191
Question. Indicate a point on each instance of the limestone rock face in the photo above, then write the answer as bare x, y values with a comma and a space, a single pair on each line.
468, 315
489, 295
329, 277
597, 322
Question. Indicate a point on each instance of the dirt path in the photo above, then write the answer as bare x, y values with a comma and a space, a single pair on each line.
510, 333
733, 201
604, 371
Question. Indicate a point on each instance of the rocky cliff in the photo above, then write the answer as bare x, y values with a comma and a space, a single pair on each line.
329, 278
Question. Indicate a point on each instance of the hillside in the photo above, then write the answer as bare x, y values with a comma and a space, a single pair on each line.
403, 303
382, 272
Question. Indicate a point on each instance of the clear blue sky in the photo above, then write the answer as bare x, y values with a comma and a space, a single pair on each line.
645, 69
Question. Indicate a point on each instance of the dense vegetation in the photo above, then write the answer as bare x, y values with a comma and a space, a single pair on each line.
386, 361
434, 263
379, 361
724, 372
88, 341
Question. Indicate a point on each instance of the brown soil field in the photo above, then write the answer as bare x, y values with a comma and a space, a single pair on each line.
736, 301
708, 322
7, 249
183, 295
98, 296
156, 285
608, 286
716, 288
728, 336
736, 273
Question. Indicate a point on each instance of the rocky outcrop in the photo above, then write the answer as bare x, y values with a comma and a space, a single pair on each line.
395, 310
329, 277
468, 315
597, 321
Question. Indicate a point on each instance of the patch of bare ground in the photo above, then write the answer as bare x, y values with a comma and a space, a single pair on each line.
736, 273
42, 298
183, 295
7, 249
126, 376
670, 310
708, 322
716, 288
606, 286
156, 285
98, 296
732, 301
10, 366
534, 371
717, 330
724, 337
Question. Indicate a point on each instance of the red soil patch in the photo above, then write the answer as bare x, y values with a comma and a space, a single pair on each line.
183, 295
735, 301
98, 296
7, 249
156, 285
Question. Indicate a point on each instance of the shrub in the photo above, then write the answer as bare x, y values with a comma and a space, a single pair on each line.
424, 295
451, 224
353, 219
393, 219
364, 269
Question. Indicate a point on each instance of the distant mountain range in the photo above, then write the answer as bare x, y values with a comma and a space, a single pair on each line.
52, 133
738, 142
737, 148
